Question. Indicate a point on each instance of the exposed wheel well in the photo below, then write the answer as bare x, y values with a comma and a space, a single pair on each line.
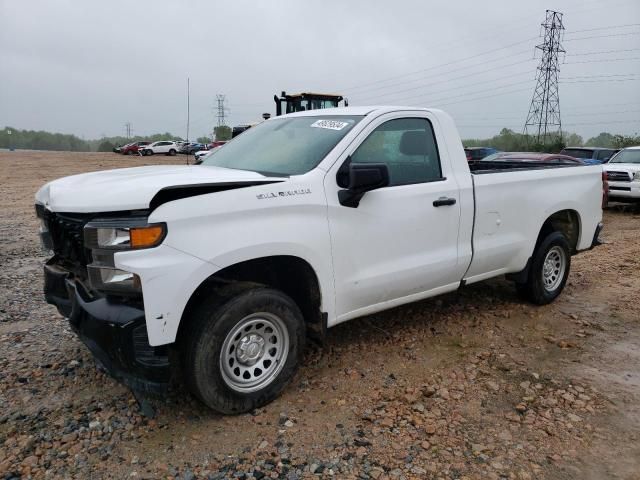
291, 275
566, 222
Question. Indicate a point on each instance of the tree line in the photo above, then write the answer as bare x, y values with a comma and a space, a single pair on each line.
506, 140
509, 141
42, 140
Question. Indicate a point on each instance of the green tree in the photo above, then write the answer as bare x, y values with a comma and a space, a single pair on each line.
203, 140
223, 132
106, 146
41, 140
509, 141
622, 141
573, 140
604, 139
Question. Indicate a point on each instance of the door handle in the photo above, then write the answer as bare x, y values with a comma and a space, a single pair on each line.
444, 201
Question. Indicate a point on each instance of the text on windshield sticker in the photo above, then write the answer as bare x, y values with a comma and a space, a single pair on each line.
330, 124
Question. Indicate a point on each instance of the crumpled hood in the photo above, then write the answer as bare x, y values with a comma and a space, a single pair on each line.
132, 188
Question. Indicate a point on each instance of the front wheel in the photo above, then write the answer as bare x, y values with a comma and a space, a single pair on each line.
242, 349
549, 270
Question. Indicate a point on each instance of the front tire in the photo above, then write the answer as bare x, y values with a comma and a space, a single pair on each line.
241, 350
549, 270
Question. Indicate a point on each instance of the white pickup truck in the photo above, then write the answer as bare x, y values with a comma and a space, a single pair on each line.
623, 174
303, 222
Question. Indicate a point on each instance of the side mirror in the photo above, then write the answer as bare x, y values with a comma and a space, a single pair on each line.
363, 177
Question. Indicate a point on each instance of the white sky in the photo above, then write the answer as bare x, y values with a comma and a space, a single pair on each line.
88, 66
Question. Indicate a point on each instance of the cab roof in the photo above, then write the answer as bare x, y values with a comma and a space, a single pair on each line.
356, 111
328, 95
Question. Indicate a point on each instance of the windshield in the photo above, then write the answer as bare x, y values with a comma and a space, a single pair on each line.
627, 156
283, 146
301, 104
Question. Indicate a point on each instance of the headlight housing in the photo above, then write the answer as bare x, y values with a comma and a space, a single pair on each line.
43, 231
107, 237
118, 236
636, 175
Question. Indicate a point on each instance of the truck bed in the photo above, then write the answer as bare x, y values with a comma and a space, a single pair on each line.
509, 209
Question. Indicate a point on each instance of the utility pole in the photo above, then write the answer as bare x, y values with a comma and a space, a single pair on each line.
127, 127
188, 106
543, 121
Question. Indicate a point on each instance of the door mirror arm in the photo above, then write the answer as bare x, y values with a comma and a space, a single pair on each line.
363, 177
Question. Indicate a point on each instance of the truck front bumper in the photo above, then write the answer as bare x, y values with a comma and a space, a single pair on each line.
114, 331
624, 191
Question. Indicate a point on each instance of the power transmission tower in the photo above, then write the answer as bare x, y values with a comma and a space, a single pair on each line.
221, 109
127, 127
543, 121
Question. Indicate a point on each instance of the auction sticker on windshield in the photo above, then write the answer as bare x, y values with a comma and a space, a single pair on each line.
330, 124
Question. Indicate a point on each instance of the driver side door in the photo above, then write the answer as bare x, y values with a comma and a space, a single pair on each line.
397, 245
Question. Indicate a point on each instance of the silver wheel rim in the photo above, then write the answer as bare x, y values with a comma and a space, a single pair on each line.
555, 263
254, 352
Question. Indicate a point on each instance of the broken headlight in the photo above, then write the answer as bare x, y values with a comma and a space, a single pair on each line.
105, 238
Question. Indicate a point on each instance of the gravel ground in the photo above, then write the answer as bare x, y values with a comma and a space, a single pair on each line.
471, 385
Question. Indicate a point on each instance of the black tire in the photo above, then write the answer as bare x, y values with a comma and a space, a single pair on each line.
536, 289
212, 323
130, 152
148, 152
172, 152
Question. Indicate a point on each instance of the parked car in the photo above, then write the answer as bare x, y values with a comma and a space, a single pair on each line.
117, 149
133, 148
532, 157
203, 154
192, 148
590, 155
623, 173
478, 153
217, 143
229, 267
163, 146
238, 129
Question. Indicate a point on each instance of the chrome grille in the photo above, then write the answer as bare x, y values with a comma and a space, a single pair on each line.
614, 176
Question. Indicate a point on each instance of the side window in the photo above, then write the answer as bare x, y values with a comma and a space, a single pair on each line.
407, 146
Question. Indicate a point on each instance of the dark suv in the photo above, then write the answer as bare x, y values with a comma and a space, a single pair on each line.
591, 155
478, 153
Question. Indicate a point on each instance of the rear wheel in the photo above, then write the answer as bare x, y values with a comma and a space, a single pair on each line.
148, 152
172, 152
242, 349
548, 271
130, 152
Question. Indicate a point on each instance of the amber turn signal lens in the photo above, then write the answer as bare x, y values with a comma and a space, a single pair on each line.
145, 237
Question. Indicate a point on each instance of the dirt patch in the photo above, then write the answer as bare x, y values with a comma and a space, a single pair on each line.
474, 384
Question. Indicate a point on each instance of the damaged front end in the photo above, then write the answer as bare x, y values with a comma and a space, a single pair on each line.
104, 305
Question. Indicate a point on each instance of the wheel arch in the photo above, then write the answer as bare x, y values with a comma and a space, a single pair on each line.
292, 275
567, 222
